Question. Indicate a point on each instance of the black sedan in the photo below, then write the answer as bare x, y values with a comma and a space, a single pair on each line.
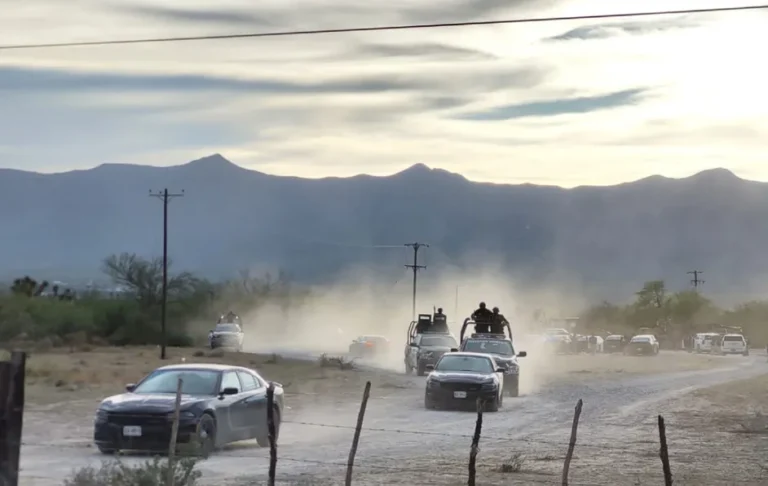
460, 379
220, 404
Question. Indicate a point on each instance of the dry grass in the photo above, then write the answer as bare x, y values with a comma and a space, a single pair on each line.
53, 375
664, 362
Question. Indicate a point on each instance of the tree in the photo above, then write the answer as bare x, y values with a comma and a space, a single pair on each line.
28, 287
145, 277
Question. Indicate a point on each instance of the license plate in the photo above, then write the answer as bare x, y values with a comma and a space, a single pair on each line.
459, 394
132, 431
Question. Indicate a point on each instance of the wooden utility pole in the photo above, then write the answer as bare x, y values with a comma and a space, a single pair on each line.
416, 267
696, 281
166, 197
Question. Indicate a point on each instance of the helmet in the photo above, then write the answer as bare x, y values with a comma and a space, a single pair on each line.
482, 305
495, 310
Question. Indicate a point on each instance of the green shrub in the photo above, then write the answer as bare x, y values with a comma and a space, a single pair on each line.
150, 473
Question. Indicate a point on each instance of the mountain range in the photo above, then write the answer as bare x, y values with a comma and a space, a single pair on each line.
610, 239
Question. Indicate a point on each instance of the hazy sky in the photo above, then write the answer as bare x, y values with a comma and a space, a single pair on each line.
562, 103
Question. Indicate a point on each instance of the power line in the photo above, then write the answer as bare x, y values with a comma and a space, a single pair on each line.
345, 30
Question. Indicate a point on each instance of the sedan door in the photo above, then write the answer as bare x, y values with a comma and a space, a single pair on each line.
255, 404
233, 408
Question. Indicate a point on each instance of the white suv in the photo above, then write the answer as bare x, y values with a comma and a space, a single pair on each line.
734, 344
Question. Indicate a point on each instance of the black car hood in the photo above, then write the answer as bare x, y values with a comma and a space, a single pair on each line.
156, 403
460, 377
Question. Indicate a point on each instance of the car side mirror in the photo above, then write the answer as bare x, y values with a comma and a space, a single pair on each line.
230, 391
130, 387
522, 354
414, 345
500, 370
454, 350
430, 367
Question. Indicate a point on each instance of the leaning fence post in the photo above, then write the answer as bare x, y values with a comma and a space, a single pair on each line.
271, 433
475, 443
358, 429
11, 418
174, 435
664, 453
572, 443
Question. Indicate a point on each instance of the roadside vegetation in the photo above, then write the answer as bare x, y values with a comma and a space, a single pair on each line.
43, 315
674, 315
39, 315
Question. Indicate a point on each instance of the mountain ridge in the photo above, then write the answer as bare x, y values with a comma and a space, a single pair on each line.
608, 237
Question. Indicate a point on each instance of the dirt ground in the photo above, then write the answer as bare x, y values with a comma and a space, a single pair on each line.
64, 373
523, 444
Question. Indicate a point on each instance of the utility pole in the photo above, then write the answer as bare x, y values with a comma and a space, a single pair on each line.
416, 267
696, 281
165, 197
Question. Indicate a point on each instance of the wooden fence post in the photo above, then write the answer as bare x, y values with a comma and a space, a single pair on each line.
664, 453
358, 429
271, 433
475, 443
572, 443
12, 413
174, 435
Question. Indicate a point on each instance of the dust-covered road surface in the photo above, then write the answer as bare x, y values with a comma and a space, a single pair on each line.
404, 443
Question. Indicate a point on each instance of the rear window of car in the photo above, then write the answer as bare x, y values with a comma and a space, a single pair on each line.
641, 340
733, 338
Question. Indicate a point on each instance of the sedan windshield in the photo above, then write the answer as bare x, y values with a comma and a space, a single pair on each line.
501, 348
194, 382
470, 364
445, 341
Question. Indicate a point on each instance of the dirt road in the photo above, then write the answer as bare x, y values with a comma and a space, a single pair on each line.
404, 443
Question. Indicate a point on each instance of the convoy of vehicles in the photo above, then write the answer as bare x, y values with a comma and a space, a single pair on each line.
220, 404
461, 378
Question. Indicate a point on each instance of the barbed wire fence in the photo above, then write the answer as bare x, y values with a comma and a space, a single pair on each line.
12, 378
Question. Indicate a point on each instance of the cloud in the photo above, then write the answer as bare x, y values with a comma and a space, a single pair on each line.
378, 101
423, 50
584, 104
607, 30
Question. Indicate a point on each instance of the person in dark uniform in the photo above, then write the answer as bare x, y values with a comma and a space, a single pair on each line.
439, 321
483, 318
497, 325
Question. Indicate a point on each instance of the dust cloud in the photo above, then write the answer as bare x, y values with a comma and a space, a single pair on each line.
361, 304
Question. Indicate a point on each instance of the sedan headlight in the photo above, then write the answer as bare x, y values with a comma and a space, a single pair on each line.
182, 416
101, 416
513, 369
491, 385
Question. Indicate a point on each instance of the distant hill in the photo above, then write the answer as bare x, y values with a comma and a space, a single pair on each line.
611, 238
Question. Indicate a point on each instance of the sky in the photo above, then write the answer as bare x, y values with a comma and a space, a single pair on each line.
565, 103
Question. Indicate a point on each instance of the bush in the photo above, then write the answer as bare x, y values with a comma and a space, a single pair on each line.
113, 321
151, 473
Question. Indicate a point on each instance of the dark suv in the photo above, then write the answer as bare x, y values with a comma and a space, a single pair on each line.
503, 351
425, 349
